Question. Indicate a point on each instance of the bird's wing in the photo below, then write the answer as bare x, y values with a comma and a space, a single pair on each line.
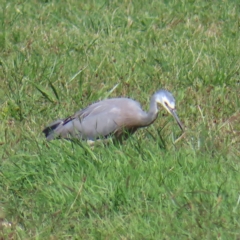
105, 117
101, 119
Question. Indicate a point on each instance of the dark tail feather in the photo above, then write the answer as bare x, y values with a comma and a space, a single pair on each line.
49, 130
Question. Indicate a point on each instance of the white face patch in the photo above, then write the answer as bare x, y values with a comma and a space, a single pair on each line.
171, 105
166, 103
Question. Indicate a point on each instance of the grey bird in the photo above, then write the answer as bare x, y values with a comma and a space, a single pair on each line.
118, 117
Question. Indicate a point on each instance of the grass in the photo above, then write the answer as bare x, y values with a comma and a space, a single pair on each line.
60, 56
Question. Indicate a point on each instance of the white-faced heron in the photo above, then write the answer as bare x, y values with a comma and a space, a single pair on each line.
115, 116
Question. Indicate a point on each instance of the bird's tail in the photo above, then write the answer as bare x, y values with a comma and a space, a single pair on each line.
50, 132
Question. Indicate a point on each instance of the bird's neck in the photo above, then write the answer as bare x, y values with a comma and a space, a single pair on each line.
152, 114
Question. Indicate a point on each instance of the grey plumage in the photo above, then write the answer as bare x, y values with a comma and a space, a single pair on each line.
115, 116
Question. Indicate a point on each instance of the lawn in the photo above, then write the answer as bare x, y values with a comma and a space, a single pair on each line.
57, 57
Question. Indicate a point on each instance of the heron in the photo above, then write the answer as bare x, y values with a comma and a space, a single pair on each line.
118, 117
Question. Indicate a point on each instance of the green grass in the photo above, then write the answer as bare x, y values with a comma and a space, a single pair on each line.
60, 56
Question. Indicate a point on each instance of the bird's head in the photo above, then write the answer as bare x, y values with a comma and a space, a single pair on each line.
167, 100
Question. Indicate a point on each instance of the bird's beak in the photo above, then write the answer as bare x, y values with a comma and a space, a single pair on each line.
173, 112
